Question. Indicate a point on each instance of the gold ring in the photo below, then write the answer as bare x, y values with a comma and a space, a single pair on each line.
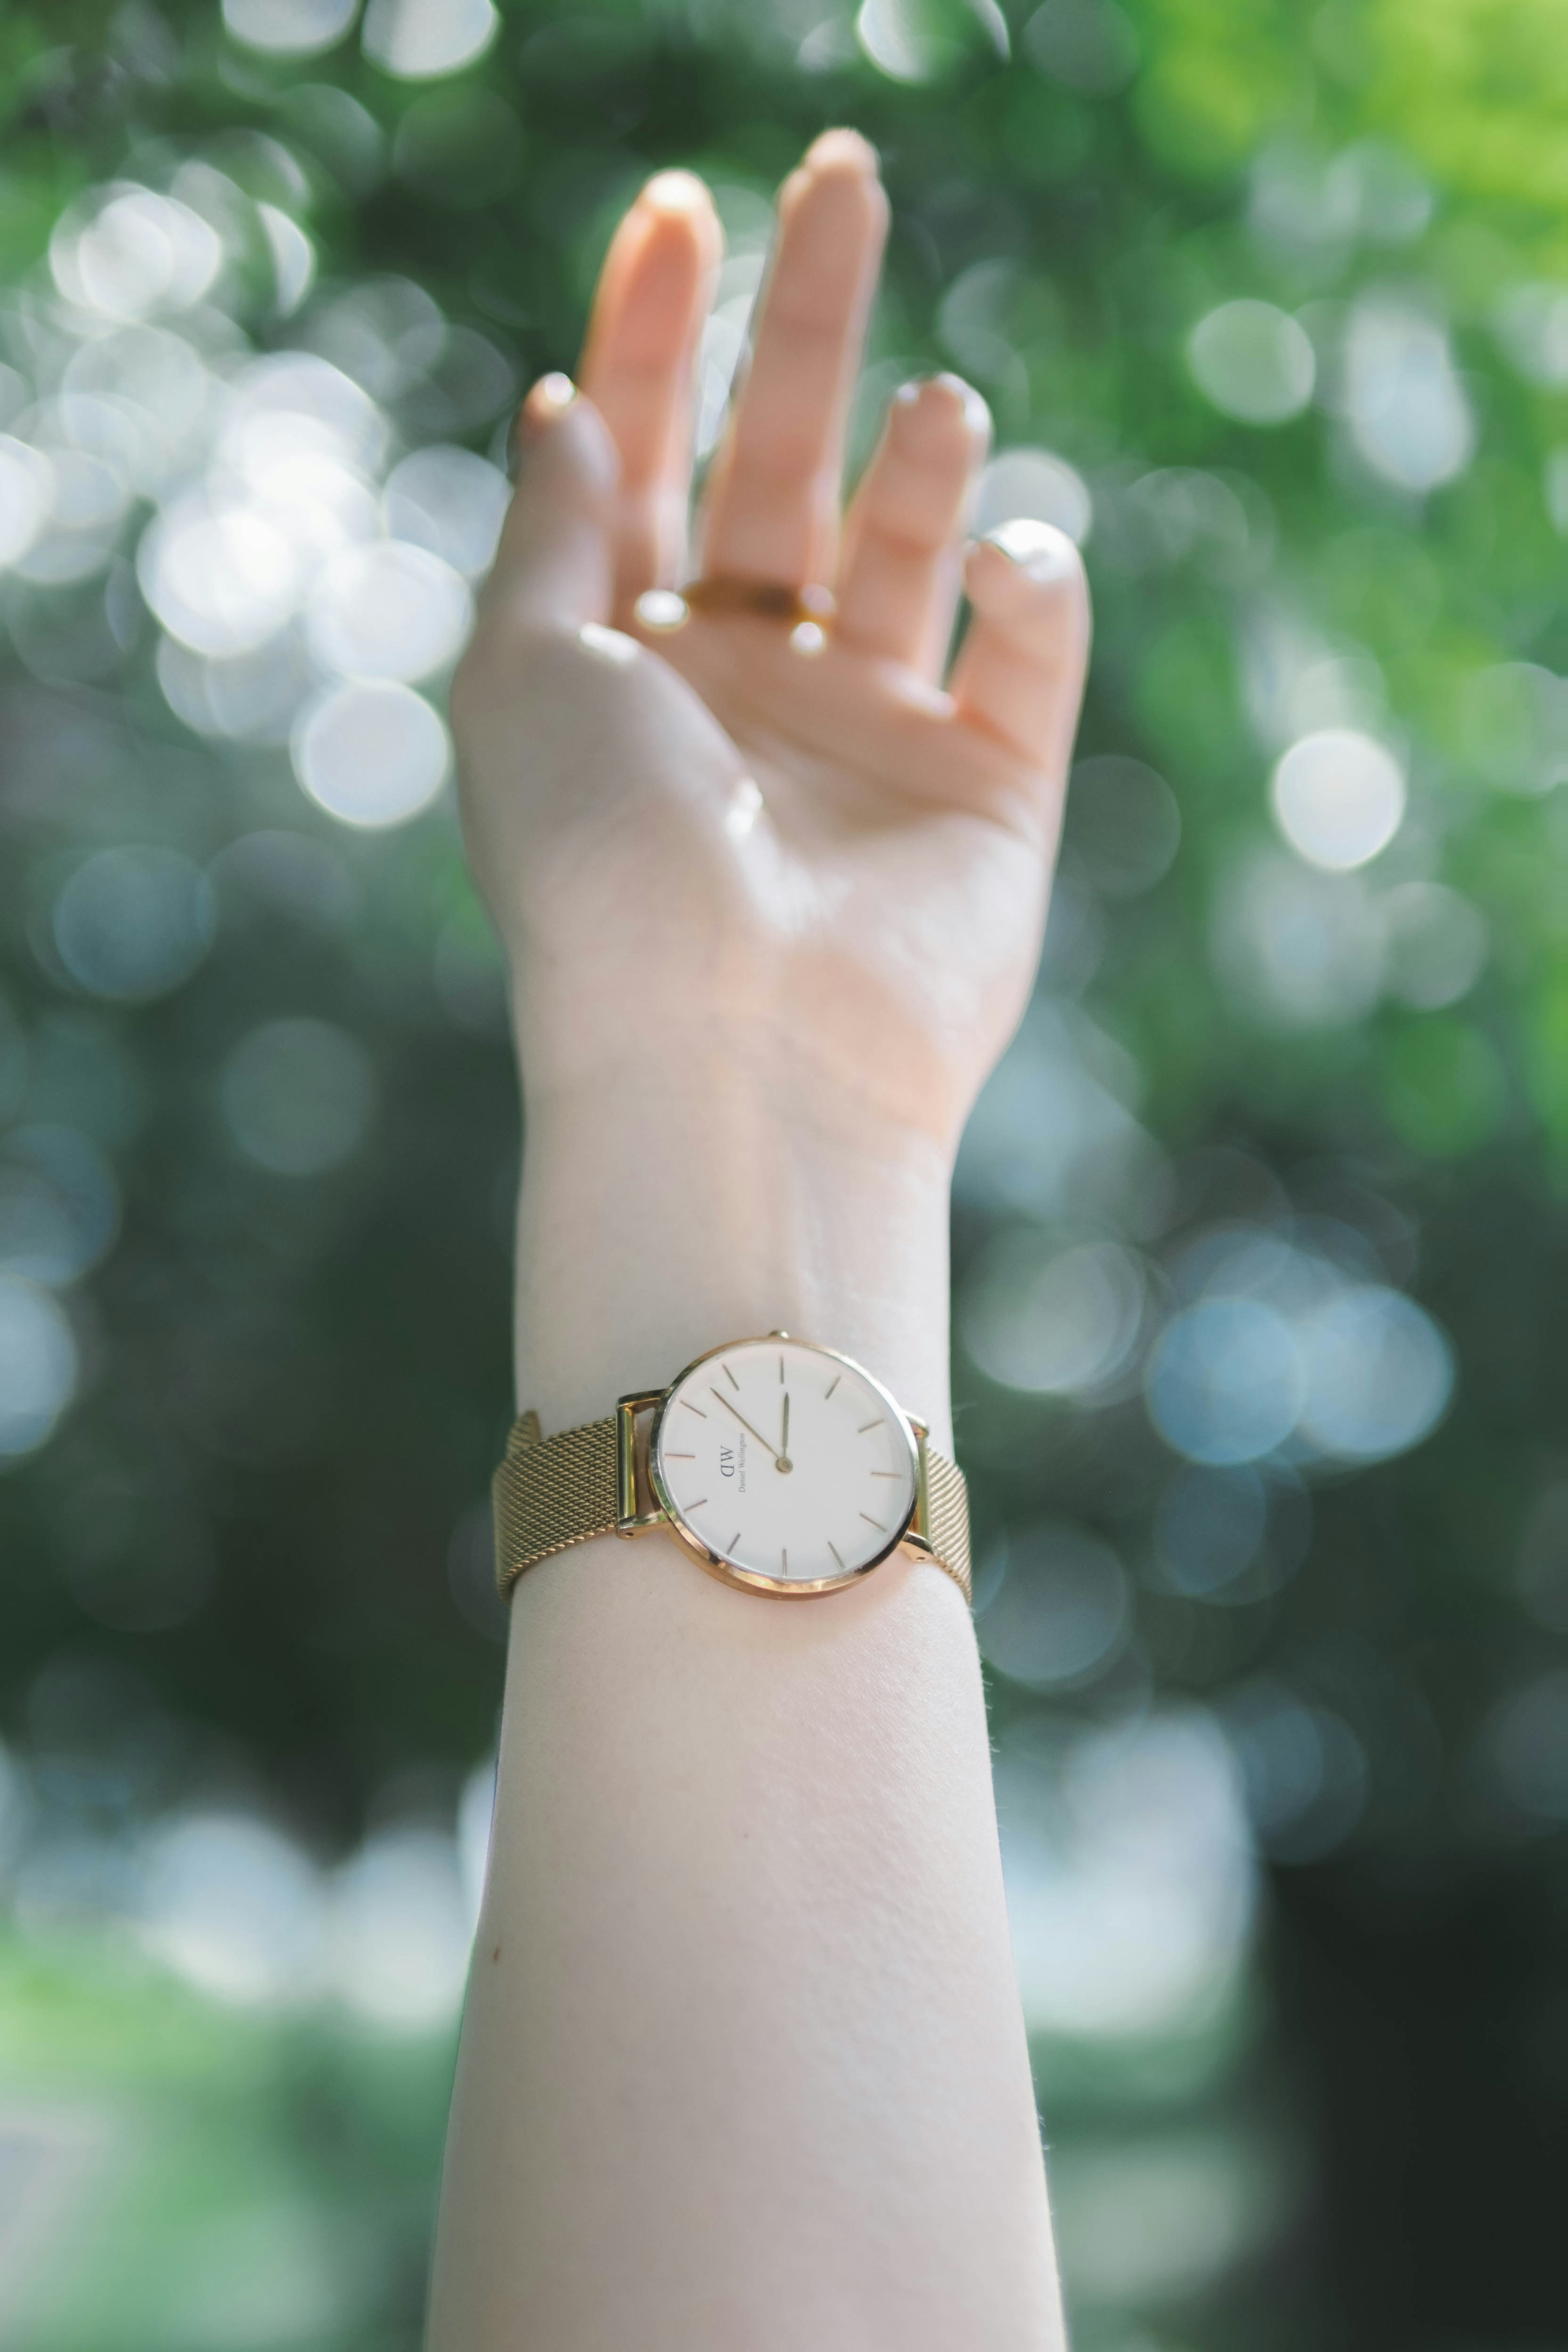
769, 600
805, 611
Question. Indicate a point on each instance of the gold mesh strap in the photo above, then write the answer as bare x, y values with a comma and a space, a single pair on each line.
551, 1491
947, 1516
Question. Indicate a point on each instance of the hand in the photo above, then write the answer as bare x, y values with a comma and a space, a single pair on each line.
710, 845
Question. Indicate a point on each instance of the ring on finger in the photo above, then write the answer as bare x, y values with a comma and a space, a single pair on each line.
807, 610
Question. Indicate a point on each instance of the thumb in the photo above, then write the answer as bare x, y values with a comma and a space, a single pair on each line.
554, 566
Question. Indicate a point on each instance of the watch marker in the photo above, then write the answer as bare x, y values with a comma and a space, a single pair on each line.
696, 1409
871, 1522
730, 1376
734, 1539
692, 1457
837, 1555
696, 1505
833, 1384
865, 1425
784, 1558
781, 1372
876, 1473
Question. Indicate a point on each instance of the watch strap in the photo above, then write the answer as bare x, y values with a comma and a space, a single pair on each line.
942, 1515
551, 1493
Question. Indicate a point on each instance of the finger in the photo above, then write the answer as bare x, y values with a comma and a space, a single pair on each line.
900, 578
653, 296
773, 496
1019, 675
555, 566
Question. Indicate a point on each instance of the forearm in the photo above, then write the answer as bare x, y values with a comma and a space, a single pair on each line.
743, 2064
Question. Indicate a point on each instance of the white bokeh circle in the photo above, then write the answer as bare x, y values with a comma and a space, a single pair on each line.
372, 752
1338, 798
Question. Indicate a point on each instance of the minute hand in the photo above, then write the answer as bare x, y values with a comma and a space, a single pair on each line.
746, 1425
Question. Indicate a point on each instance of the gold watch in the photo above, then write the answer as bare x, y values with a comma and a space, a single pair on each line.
782, 1467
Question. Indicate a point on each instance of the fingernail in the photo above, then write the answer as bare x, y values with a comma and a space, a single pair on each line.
675, 192
1042, 552
976, 414
551, 395
843, 145
550, 398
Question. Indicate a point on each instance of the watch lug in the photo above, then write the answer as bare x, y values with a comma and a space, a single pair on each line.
918, 1533
631, 1520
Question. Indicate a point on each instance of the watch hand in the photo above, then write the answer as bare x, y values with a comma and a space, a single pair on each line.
785, 1462
779, 1462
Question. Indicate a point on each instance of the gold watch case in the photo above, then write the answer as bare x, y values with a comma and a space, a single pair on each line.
639, 1419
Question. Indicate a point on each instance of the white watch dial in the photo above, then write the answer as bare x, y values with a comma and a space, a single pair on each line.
786, 1462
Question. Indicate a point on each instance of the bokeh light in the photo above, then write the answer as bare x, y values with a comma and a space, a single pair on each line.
129, 253
1253, 360
235, 1907
373, 754
298, 1095
1061, 1612
451, 502
1298, 949
295, 29
1129, 1883
38, 1365
1339, 797
27, 497
1378, 1373
1226, 1381
60, 1204
1209, 1526
1057, 1322
134, 923
221, 578
1409, 417
1304, 1772
420, 39
400, 1930
1438, 944
1034, 485
388, 610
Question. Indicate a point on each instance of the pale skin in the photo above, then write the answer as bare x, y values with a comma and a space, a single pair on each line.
742, 2067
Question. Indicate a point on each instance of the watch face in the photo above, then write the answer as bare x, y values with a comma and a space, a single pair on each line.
790, 1468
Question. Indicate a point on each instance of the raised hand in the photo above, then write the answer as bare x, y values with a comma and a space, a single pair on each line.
713, 831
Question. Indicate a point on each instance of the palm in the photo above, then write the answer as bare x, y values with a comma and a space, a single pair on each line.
918, 843
836, 846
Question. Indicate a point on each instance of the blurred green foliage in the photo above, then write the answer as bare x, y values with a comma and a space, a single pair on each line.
244, 1565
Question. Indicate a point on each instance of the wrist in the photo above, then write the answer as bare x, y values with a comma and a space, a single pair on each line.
721, 1190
